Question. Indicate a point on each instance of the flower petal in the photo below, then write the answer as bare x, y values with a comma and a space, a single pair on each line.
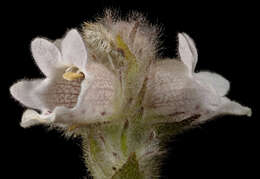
31, 118
97, 92
56, 91
233, 108
219, 83
46, 55
167, 80
74, 50
188, 52
23, 91
57, 42
48, 93
77, 102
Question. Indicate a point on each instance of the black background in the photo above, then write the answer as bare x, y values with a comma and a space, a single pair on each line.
226, 37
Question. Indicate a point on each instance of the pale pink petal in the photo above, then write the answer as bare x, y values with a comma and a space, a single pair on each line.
23, 91
171, 92
46, 55
97, 93
219, 84
193, 50
74, 50
187, 52
94, 102
233, 108
59, 92
167, 79
31, 118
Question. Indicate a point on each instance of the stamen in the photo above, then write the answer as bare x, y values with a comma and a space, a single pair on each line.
72, 73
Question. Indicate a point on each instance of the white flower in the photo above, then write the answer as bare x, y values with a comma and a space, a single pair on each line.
75, 90
78, 90
176, 91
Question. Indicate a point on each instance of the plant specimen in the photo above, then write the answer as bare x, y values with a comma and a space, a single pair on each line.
108, 85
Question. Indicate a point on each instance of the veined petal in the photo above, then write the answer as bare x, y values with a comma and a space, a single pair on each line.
173, 94
167, 79
97, 92
46, 55
217, 82
73, 50
92, 102
57, 91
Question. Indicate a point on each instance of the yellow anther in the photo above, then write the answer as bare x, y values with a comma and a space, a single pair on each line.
72, 75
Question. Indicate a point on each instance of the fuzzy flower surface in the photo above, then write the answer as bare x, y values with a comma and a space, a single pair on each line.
108, 85
177, 91
84, 96
73, 90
